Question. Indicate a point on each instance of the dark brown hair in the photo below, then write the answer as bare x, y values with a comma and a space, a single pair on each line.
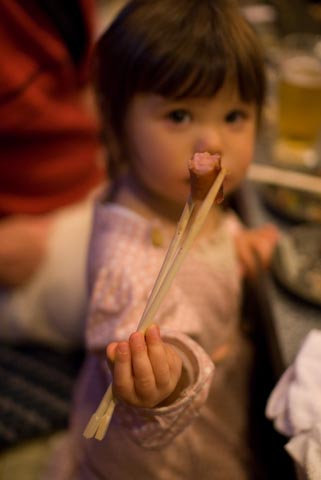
175, 48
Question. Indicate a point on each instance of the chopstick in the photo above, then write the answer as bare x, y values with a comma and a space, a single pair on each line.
284, 178
188, 227
99, 421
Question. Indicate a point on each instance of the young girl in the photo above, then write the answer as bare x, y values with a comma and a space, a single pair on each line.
174, 78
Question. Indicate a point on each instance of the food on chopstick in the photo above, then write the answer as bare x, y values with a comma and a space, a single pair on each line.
207, 177
203, 169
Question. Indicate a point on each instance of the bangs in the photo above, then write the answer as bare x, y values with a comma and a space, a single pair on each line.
177, 49
200, 74
196, 59
177, 76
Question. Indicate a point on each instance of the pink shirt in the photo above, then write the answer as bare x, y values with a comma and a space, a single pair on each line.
203, 434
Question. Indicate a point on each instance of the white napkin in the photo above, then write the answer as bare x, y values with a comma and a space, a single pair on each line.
294, 406
305, 449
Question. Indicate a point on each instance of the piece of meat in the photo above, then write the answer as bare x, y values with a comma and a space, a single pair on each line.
204, 169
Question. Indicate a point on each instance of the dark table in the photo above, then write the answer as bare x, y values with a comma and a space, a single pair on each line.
288, 319
282, 321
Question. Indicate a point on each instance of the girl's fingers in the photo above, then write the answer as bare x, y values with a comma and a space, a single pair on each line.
271, 231
247, 258
145, 370
254, 245
123, 376
111, 351
142, 369
264, 243
158, 356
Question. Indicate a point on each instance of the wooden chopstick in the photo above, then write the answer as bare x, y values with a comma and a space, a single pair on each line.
188, 227
169, 258
195, 222
99, 421
284, 178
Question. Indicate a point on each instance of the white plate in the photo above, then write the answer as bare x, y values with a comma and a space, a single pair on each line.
292, 204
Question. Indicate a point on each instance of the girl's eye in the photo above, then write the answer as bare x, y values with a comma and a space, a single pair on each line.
235, 116
179, 116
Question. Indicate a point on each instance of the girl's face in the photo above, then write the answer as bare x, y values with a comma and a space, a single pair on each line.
162, 135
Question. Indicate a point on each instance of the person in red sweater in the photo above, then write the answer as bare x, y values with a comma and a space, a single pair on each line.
49, 167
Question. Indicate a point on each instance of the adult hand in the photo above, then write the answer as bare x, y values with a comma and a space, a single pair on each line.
23, 244
255, 248
146, 370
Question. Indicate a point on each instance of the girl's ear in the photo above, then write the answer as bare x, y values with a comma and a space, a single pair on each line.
115, 154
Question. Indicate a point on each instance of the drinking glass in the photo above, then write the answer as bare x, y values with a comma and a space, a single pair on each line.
299, 100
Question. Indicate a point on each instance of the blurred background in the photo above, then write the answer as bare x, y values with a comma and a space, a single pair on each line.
287, 192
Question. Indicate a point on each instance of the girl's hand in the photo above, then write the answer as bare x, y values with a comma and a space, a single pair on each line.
255, 248
146, 370
23, 244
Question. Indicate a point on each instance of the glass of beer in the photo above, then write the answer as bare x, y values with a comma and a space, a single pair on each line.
299, 100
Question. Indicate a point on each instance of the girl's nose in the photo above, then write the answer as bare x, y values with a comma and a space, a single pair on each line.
210, 141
